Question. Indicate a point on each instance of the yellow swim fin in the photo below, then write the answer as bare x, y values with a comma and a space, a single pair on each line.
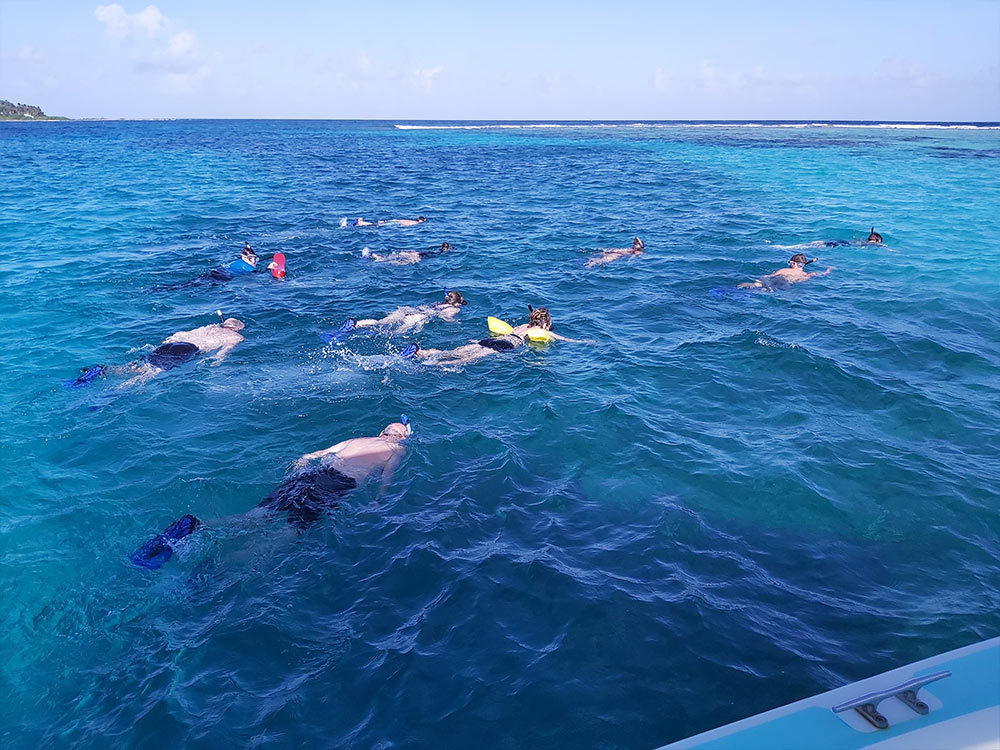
537, 334
498, 326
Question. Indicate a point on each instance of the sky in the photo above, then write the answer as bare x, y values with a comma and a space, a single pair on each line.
511, 60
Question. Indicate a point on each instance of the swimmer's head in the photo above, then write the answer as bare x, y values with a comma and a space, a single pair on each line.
875, 237
538, 317
396, 431
638, 244
233, 324
455, 299
445, 247
800, 260
421, 218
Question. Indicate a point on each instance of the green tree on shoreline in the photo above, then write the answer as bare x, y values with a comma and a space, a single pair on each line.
10, 111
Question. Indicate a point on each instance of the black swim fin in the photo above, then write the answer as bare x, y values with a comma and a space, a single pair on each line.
158, 550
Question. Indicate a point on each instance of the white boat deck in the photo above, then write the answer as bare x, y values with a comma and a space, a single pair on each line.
957, 708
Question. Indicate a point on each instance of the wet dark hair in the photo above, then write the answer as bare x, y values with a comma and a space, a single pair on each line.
421, 218
638, 244
454, 298
446, 247
799, 258
538, 317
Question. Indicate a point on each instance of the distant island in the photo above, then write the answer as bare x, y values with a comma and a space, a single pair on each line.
9, 111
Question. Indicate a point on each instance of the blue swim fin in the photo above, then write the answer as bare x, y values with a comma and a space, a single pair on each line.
334, 336
158, 550
89, 375
409, 351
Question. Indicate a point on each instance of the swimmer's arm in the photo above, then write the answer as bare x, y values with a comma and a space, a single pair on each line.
557, 337
822, 273
367, 323
224, 352
303, 460
388, 471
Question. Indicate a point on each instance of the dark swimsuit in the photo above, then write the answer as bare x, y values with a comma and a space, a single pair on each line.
504, 343
169, 356
308, 494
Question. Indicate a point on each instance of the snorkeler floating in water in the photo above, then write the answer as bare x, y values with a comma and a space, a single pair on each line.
405, 257
614, 253
360, 222
874, 238
404, 222
784, 277
403, 319
175, 350
245, 264
310, 491
538, 328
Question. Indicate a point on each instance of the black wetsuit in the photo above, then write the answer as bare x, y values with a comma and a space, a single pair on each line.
169, 356
214, 276
308, 494
429, 253
774, 283
504, 343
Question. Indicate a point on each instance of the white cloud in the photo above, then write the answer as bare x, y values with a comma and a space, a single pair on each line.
423, 78
120, 24
156, 46
24, 54
183, 44
363, 73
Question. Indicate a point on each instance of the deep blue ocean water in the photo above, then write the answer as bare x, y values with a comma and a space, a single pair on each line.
724, 505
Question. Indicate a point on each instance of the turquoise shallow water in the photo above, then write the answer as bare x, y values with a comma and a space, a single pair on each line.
726, 505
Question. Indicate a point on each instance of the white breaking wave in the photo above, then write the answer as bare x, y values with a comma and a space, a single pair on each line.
800, 125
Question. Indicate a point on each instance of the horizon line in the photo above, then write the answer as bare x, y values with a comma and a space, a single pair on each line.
591, 120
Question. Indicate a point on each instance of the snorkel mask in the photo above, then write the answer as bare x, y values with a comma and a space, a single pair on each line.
454, 298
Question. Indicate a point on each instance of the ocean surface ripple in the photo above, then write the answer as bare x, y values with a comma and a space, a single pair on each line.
725, 504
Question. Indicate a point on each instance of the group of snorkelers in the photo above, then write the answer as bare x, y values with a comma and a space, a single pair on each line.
323, 478
222, 337
796, 272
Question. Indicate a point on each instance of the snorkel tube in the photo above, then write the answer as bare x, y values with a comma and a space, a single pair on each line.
405, 421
